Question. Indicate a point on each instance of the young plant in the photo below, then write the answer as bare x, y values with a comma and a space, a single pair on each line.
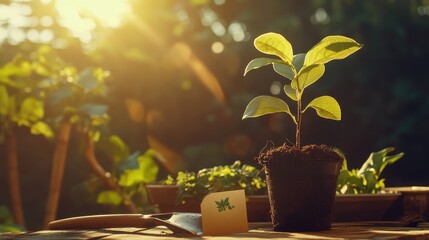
302, 70
367, 178
194, 186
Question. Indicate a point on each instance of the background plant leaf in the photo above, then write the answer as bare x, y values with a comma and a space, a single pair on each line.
379, 160
148, 167
93, 109
31, 109
42, 128
109, 197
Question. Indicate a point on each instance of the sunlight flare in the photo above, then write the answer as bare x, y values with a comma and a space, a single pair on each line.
108, 13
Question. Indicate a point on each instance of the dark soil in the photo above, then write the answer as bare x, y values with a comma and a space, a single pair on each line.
309, 152
301, 186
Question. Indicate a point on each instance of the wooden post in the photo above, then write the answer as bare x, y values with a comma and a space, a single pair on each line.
13, 174
57, 172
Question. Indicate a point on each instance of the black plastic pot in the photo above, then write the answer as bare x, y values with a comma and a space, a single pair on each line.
301, 192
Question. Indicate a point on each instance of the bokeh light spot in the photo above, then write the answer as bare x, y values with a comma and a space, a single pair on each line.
276, 88
46, 21
33, 35
219, 2
186, 85
217, 47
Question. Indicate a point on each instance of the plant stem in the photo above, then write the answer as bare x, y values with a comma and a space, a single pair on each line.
57, 172
14, 186
298, 125
105, 176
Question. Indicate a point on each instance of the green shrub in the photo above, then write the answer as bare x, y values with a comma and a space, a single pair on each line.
219, 178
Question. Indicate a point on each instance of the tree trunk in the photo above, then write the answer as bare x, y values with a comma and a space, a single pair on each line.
58, 165
106, 176
13, 174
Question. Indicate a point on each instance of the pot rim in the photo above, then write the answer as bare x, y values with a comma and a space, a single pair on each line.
409, 189
367, 197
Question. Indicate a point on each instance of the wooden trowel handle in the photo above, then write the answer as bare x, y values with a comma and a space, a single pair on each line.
102, 221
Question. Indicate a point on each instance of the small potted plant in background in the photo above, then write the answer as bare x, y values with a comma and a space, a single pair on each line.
361, 192
186, 191
301, 180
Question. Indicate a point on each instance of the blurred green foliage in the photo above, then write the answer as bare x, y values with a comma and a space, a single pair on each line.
6, 221
194, 186
367, 178
130, 171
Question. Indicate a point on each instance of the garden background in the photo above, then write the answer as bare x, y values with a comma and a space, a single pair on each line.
174, 83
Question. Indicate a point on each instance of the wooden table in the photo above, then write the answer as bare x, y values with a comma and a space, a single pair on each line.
360, 230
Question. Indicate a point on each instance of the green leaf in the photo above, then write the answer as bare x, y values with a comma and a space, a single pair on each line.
275, 44
17, 68
308, 76
139, 169
11, 228
130, 177
94, 109
87, 79
115, 147
290, 92
284, 70
371, 181
379, 160
263, 105
42, 129
98, 120
344, 176
131, 162
109, 197
40, 69
4, 100
259, 62
5, 214
31, 109
298, 61
331, 48
326, 107
148, 167
62, 95
367, 178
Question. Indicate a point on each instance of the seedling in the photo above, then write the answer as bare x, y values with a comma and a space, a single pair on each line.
302, 70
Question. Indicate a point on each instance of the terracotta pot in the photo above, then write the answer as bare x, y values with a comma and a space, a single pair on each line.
363, 207
164, 196
414, 202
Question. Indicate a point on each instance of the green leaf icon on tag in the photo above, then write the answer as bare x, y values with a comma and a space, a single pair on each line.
224, 205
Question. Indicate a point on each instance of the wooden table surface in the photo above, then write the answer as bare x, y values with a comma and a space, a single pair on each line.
361, 230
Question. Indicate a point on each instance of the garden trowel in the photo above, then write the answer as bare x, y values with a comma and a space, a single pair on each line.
176, 222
